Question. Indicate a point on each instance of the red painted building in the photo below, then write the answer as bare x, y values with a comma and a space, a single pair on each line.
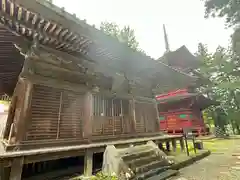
180, 109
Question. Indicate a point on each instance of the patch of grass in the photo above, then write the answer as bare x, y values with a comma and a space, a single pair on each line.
99, 176
179, 151
216, 145
5, 102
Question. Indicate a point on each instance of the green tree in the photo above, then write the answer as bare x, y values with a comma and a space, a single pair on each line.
219, 68
230, 9
236, 42
111, 29
125, 35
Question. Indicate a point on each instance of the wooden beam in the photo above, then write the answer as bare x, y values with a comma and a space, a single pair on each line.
10, 117
58, 70
174, 145
133, 114
157, 118
168, 146
88, 116
55, 83
67, 57
26, 29
24, 119
56, 14
182, 144
2, 172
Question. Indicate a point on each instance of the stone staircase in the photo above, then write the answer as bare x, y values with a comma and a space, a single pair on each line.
141, 162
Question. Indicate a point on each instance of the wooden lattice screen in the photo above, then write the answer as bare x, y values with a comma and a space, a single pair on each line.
110, 116
58, 114
55, 114
5, 97
146, 117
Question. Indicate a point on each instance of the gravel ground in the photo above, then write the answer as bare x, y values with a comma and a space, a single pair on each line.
223, 164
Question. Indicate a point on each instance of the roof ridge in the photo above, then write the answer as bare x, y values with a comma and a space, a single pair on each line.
43, 2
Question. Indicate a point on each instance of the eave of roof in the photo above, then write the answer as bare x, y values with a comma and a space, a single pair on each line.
176, 98
200, 101
91, 42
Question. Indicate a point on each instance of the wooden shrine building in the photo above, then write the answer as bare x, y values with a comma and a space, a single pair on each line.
72, 86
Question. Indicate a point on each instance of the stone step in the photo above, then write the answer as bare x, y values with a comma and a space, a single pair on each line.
139, 162
142, 160
138, 154
134, 148
150, 166
164, 175
150, 173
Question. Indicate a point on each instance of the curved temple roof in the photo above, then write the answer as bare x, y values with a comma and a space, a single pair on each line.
181, 58
57, 29
199, 100
185, 61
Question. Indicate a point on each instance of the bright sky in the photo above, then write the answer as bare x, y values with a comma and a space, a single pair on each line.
184, 20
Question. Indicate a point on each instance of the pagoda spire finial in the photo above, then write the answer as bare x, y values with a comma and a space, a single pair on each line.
166, 39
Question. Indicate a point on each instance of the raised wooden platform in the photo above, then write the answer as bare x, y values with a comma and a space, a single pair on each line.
16, 159
157, 139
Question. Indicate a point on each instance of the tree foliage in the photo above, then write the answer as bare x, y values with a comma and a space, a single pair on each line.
221, 69
230, 9
125, 35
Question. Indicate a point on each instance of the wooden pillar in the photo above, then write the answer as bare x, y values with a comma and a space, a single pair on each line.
88, 163
157, 128
174, 145
10, 116
133, 115
168, 146
16, 169
182, 144
199, 132
2, 174
160, 146
23, 119
88, 116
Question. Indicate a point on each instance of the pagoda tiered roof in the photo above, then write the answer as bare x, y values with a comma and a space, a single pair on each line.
181, 58
88, 48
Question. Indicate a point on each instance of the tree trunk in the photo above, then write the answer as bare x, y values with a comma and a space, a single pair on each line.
237, 127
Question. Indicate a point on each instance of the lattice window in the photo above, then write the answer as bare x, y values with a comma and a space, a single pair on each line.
111, 115
55, 114
44, 113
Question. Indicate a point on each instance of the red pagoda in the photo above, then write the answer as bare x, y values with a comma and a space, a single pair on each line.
182, 108
179, 110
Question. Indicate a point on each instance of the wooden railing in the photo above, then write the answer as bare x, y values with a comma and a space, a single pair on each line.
5, 97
